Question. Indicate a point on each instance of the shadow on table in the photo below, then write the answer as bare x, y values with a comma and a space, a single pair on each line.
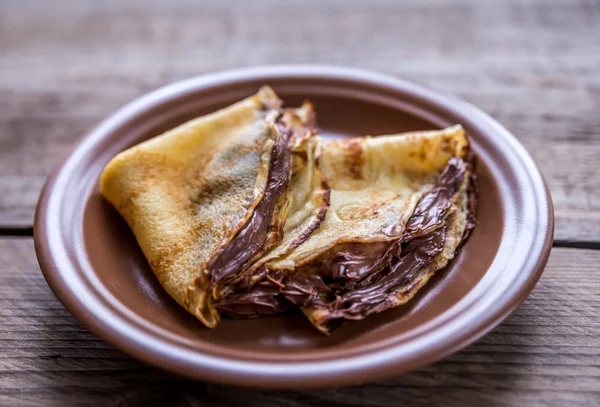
489, 372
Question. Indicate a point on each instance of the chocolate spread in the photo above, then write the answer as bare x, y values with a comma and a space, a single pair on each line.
252, 237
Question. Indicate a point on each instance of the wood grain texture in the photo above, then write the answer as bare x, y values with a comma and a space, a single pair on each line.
534, 65
546, 354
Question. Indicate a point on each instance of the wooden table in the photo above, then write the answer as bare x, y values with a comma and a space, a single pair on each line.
533, 65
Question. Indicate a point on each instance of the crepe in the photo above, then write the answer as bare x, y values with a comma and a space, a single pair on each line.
248, 211
399, 209
193, 193
369, 278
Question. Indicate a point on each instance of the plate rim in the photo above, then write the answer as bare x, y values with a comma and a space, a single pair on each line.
375, 364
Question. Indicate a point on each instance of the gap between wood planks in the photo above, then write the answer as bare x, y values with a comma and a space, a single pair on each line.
18, 231
574, 244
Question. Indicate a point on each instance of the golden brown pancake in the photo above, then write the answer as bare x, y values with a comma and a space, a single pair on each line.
187, 193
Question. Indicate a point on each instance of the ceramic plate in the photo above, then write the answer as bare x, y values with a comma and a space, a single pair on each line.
95, 267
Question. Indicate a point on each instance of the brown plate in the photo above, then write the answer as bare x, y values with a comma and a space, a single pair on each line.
95, 267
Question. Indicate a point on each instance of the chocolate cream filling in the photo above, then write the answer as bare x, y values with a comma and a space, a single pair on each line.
252, 237
354, 280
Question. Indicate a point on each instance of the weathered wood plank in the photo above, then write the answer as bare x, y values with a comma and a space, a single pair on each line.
546, 354
534, 65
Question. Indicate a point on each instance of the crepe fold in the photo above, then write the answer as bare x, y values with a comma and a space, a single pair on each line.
208, 198
247, 212
400, 206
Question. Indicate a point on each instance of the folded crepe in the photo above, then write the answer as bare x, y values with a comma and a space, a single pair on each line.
208, 198
399, 207
247, 212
